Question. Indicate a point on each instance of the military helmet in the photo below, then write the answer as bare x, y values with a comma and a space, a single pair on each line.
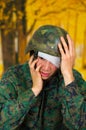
45, 39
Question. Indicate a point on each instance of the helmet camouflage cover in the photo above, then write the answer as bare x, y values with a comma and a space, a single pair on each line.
45, 39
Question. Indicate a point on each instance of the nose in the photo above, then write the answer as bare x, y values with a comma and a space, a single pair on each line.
47, 65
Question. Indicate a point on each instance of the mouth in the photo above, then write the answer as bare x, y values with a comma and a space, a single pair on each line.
44, 74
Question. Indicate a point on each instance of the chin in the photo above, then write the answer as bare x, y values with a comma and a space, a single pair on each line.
45, 78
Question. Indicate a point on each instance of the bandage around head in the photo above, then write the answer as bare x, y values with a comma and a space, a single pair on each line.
53, 59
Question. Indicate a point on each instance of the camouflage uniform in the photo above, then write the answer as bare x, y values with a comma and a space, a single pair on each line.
56, 108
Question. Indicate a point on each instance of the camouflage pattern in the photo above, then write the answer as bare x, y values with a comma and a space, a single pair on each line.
45, 39
56, 108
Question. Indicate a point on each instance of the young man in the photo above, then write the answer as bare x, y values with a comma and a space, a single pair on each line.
45, 93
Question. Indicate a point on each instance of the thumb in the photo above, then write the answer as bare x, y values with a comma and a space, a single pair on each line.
38, 68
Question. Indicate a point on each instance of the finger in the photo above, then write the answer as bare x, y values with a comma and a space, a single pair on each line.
71, 43
65, 46
31, 59
71, 47
34, 63
60, 49
38, 68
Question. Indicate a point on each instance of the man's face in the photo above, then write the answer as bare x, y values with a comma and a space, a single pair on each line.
47, 68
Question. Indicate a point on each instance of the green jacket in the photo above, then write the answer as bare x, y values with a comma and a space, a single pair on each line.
56, 108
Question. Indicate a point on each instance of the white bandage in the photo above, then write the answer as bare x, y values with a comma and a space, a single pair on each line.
53, 59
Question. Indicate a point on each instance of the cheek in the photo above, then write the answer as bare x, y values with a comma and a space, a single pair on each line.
53, 68
39, 62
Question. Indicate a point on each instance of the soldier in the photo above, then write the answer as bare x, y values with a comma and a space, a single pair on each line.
45, 93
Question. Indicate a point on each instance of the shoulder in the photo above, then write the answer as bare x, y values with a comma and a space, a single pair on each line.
16, 79
16, 71
77, 75
16, 76
80, 81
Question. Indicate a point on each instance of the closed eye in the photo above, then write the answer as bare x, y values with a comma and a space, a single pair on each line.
42, 58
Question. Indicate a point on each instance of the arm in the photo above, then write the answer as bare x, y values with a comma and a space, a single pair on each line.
13, 107
73, 101
74, 104
36, 76
67, 59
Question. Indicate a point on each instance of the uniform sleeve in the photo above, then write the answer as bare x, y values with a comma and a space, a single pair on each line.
13, 107
74, 104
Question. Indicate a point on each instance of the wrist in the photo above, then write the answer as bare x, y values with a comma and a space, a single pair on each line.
36, 91
68, 78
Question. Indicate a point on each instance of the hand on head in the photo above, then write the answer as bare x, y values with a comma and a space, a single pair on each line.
36, 77
67, 56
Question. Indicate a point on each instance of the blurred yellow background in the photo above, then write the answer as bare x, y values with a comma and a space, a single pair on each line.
69, 14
